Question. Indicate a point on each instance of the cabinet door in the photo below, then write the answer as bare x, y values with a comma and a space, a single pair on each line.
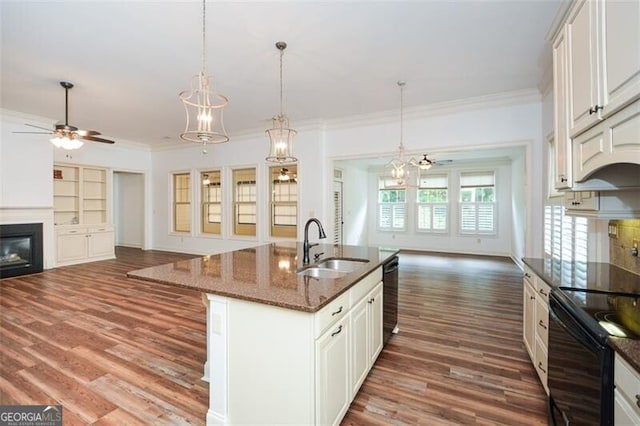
375, 308
359, 344
529, 317
562, 142
71, 247
590, 153
332, 374
101, 244
582, 44
583, 200
621, 53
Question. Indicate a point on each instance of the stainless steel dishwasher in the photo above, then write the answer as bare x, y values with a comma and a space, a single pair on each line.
390, 298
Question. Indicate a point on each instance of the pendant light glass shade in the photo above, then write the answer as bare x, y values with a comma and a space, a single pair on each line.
281, 135
203, 105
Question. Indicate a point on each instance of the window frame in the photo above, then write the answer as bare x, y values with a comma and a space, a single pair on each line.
383, 187
478, 204
244, 229
283, 230
433, 204
211, 228
175, 204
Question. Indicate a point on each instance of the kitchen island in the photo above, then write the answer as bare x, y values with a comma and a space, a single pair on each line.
284, 346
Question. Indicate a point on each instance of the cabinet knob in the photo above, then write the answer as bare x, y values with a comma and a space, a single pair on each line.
526, 274
541, 324
540, 367
337, 332
532, 297
638, 400
542, 292
337, 312
563, 179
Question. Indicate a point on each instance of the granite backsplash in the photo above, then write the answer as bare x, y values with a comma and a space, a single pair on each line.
621, 243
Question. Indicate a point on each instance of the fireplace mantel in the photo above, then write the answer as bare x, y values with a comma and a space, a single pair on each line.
34, 214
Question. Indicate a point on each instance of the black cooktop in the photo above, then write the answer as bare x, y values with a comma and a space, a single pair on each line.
611, 313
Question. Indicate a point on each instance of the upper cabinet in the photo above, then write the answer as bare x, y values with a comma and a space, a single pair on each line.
596, 65
603, 52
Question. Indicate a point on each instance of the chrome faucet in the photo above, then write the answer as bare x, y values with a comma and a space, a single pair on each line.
306, 246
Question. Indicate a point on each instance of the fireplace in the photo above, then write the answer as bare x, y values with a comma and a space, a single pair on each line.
20, 249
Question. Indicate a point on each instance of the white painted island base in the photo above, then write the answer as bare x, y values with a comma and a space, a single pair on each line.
271, 365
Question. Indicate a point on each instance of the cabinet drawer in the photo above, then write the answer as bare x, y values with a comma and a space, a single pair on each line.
71, 230
627, 382
96, 229
541, 363
331, 313
542, 290
364, 286
542, 321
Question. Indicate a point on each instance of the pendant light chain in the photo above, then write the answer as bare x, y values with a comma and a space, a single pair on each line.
281, 97
401, 84
204, 20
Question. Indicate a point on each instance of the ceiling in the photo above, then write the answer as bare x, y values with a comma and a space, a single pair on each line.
130, 59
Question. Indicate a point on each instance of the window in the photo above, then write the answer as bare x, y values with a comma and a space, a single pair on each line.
566, 238
244, 201
284, 201
433, 203
477, 203
181, 202
392, 206
211, 199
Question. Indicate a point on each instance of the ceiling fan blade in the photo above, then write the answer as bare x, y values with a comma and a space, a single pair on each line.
87, 132
95, 139
37, 127
35, 133
443, 161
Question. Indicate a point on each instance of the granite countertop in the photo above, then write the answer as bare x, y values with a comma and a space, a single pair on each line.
599, 276
267, 274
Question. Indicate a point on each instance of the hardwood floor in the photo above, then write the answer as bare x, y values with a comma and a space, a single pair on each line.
119, 351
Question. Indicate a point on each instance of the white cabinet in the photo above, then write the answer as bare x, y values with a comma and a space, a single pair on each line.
78, 244
80, 197
603, 51
627, 394
333, 395
536, 322
562, 143
581, 200
271, 365
366, 323
616, 140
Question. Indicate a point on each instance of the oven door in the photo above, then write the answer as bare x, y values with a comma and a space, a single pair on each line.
580, 372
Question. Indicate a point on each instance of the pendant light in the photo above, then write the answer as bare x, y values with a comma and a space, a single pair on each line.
400, 168
280, 135
203, 105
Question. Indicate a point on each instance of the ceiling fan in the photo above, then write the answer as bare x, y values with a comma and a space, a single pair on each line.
65, 135
425, 162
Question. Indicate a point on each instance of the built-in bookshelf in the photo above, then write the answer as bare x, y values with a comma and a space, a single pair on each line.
79, 195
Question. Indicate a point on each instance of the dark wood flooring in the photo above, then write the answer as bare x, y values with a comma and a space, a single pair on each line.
119, 351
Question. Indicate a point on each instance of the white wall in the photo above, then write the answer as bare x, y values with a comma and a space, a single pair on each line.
355, 201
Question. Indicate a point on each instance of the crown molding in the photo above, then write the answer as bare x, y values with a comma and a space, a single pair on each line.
21, 117
517, 97
558, 20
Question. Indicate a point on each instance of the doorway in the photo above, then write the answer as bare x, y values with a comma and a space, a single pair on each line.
129, 208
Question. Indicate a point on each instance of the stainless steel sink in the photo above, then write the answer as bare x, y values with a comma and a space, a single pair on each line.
346, 265
333, 268
316, 272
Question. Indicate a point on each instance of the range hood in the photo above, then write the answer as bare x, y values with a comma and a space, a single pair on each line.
610, 178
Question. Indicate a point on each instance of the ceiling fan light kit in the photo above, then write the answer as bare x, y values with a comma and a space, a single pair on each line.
281, 135
67, 136
203, 105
